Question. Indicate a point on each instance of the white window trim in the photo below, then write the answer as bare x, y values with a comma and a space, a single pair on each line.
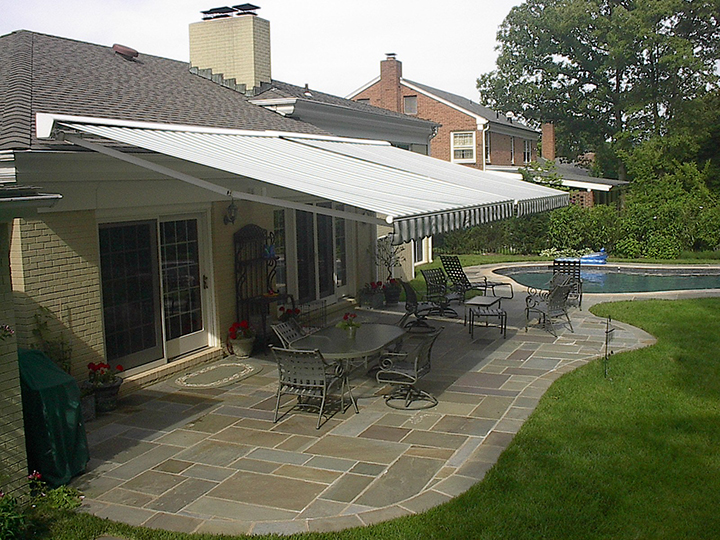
452, 147
488, 150
527, 151
512, 150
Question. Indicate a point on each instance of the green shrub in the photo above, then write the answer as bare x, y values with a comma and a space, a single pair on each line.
660, 246
628, 248
12, 520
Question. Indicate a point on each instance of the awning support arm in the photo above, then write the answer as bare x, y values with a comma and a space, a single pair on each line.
204, 184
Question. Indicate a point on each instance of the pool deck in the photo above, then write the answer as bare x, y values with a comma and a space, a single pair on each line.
212, 460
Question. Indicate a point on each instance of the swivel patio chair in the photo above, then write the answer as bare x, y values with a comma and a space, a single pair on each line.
403, 370
287, 332
307, 375
550, 307
438, 294
417, 309
462, 284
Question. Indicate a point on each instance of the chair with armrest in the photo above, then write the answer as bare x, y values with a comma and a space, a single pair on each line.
287, 332
461, 282
403, 370
550, 307
415, 308
307, 375
437, 292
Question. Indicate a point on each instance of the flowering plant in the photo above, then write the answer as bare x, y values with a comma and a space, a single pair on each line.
6, 332
373, 287
392, 284
240, 330
101, 373
287, 313
348, 321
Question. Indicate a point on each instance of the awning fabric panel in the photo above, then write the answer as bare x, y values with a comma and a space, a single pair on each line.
419, 195
529, 198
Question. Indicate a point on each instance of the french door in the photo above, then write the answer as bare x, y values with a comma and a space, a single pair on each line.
321, 254
153, 287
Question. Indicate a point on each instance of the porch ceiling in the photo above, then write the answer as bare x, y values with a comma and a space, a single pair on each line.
420, 196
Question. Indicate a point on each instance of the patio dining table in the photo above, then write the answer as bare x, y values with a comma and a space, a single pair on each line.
336, 344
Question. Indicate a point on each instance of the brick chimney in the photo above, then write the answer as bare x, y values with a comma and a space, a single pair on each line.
390, 75
234, 44
548, 141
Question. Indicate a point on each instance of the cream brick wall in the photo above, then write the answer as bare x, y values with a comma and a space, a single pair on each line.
237, 47
56, 265
13, 460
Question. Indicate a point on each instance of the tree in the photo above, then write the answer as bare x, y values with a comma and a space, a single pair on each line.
605, 71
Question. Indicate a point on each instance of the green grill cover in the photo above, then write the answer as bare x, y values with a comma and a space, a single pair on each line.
54, 431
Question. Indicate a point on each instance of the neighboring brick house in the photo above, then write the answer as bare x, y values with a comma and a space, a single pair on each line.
469, 133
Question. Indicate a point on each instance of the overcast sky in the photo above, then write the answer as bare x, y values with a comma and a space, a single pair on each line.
335, 46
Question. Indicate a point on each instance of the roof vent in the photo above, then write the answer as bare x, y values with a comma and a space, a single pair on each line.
307, 91
390, 55
126, 52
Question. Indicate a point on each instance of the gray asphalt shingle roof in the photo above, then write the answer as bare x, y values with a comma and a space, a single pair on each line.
285, 90
493, 117
42, 73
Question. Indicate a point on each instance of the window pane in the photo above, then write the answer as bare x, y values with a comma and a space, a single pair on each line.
462, 139
410, 104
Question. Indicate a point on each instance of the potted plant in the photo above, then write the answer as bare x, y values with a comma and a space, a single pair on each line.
349, 324
391, 290
286, 314
104, 382
241, 338
371, 295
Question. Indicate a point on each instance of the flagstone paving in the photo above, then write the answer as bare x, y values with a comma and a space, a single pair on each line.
212, 461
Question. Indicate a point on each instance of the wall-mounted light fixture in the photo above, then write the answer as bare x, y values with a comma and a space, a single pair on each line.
231, 213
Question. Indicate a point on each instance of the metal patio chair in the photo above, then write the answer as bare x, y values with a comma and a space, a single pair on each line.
438, 293
287, 332
550, 307
307, 375
404, 369
462, 284
571, 268
417, 309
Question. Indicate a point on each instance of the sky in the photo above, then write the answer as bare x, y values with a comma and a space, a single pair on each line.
334, 46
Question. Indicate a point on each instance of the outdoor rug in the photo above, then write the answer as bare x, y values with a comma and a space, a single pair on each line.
227, 371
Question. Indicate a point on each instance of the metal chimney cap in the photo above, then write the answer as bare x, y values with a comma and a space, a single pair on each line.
246, 8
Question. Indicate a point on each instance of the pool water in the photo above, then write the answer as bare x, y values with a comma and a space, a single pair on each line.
615, 281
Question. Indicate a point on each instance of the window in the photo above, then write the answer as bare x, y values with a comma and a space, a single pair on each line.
527, 151
410, 104
463, 147
487, 147
418, 251
512, 150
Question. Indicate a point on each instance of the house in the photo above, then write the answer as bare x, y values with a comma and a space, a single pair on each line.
469, 133
184, 201
585, 190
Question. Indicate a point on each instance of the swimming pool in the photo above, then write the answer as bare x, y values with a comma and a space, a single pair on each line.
614, 279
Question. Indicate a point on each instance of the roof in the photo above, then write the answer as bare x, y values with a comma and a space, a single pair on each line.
43, 73
493, 117
419, 195
280, 90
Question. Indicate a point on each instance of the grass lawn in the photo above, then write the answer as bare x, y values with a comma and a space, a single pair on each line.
633, 455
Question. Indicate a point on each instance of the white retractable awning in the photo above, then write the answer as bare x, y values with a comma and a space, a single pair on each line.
420, 196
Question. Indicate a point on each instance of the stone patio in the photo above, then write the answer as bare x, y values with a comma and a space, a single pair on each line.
212, 461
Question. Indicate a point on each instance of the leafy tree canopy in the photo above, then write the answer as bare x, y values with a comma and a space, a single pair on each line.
605, 71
